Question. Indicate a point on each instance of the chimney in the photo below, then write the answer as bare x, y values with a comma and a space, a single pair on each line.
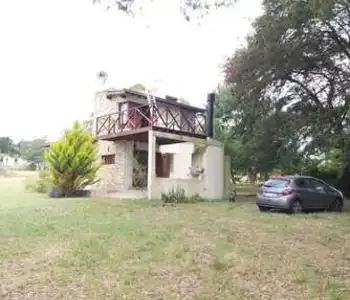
210, 115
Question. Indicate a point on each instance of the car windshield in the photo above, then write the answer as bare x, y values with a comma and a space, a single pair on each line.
277, 182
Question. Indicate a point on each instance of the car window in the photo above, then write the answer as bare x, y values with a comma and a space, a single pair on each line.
315, 184
303, 183
277, 182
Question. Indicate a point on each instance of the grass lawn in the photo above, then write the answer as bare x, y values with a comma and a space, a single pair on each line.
114, 249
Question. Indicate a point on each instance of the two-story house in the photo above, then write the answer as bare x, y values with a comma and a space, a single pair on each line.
154, 143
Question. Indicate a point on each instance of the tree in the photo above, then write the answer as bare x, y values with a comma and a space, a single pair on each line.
183, 101
72, 160
254, 142
7, 146
297, 62
293, 77
32, 150
138, 87
187, 7
88, 123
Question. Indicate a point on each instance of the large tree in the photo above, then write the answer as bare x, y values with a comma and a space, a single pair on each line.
298, 62
293, 77
138, 87
186, 7
7, 146
254, 146
32, 150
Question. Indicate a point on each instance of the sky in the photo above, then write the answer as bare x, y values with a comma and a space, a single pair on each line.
51, 52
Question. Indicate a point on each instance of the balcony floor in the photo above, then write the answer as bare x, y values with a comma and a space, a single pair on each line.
141, 135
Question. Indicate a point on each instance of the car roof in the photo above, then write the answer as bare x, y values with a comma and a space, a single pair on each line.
286, 177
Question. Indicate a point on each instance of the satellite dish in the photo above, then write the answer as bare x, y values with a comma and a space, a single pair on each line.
102, 76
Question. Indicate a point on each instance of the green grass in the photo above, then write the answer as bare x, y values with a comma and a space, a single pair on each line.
247, 189
114, 249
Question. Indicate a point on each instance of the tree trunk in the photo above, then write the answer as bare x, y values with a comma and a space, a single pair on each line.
252, 172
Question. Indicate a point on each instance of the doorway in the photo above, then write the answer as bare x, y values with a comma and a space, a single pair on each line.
140, 169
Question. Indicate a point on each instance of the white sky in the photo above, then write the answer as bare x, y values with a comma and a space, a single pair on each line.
50, 52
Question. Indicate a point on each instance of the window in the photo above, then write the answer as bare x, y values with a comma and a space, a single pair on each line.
318, 186
303, 183
277, 182
164, 164
108, 159
308, 183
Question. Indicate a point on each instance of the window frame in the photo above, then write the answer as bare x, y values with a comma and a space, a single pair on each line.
108, 159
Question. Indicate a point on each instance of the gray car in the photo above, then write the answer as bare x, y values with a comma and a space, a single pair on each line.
298, 193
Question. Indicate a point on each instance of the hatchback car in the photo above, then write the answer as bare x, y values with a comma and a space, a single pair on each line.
298, 193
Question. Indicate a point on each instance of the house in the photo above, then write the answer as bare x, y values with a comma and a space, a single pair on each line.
153, 144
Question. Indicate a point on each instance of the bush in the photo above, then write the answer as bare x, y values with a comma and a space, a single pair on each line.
40, 184
193, 199
177, 195
60, 193
232, 193
73, 162
31, 167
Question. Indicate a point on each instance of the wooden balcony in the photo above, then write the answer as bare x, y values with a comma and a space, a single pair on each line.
137, 120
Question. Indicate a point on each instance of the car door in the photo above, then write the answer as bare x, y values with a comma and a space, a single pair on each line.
306, 193
321, 194
331, 194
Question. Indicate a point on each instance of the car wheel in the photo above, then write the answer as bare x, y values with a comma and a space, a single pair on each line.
263, 209
337, 205
296, 207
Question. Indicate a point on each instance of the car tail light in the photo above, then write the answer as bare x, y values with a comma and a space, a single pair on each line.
287, 191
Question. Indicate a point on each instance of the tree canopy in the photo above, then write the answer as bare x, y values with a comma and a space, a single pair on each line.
186, 7
287, 92
32, 150
138, 87
72, 160
297, 63
7, 146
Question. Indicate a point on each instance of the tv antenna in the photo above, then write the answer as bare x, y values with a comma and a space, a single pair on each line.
102, 77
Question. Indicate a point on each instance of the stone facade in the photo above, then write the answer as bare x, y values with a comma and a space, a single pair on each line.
118, 176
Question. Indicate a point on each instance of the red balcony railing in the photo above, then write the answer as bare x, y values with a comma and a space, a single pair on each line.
170, 118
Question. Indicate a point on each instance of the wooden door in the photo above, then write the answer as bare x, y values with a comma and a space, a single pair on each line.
162, 165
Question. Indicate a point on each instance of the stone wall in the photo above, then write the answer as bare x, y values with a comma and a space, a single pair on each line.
118, 176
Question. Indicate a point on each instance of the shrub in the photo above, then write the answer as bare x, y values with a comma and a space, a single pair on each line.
31, 167
40, 184
72, 161
177, 195
139, 174
193, 199
232, 193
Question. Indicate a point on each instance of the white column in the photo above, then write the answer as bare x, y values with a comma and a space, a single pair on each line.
151, 162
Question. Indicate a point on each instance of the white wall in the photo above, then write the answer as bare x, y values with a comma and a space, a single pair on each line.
182, 159
211, 185
164, 185
214, 182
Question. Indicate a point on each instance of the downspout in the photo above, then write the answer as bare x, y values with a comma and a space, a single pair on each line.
209, 132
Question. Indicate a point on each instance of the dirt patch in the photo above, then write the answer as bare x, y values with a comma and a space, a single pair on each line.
175, 283
32, 270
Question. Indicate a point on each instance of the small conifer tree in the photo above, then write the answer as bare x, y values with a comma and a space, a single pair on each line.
72, 160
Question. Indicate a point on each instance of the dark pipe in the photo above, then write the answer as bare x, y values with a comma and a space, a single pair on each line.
210, 115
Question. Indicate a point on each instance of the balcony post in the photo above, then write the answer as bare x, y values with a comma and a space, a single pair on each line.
151, 170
